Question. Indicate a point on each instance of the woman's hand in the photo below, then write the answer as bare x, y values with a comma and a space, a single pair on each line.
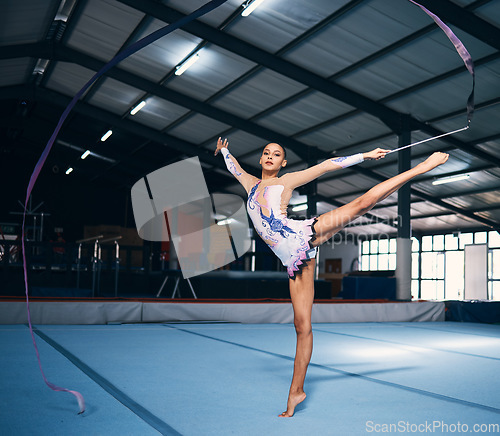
221, 145
435, 160
378, 153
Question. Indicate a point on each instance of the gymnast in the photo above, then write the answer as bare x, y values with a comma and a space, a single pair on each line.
295, 241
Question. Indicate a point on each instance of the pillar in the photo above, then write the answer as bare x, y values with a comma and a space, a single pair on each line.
403, 253
312, 190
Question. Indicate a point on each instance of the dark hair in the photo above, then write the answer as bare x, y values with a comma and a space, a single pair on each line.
284, 150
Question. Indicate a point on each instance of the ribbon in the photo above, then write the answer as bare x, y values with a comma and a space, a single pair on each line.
466, 57
128, 51
462, 51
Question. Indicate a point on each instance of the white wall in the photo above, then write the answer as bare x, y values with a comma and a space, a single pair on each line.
347, 251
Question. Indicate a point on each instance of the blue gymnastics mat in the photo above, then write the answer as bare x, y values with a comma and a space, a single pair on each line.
233, 379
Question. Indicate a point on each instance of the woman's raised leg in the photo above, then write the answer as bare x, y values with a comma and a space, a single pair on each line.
302, 294
332, 222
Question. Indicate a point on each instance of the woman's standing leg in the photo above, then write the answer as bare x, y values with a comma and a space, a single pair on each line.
302, 294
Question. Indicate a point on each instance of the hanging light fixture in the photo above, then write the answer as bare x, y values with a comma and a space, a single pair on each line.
224, 222
451, 179
85, 155
106, 135
250, 6
299, 207
179, 69
138, 107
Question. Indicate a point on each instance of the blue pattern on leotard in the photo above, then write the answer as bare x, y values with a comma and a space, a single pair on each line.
275, 224
231, 166
288, 239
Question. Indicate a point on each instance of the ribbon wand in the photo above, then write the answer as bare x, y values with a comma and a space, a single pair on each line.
428, 139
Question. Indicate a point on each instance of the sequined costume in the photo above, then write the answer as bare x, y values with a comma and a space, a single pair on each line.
288, 238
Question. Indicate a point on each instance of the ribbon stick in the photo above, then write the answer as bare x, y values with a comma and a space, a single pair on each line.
428, 139
128, 51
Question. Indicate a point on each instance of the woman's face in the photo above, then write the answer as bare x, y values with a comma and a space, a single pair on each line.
273, 157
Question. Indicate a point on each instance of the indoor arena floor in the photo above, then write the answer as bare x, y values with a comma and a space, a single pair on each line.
233, 379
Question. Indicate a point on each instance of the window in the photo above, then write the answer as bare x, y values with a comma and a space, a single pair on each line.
494, 274
378, 255
438, 243
494, 267
451, 242
432, 289
480, 238
383, 261
415, 245
494, 240
427, 243
392, 245
438, 268
495, 290
383, 246
466, 239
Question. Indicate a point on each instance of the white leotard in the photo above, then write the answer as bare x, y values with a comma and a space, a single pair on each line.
267, 203
288, 238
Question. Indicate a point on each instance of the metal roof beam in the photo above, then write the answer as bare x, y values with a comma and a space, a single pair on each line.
472, 210
469, 214
390, 221
384, 137
387, 115
356, 65
431, 199
67, 54
402, 93
470, 192
374, 218
52, 97
447, 196
385, 163
188, 102
253, 71
269, 60
426, 179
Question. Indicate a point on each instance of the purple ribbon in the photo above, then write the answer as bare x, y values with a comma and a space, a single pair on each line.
462, 51
38, 167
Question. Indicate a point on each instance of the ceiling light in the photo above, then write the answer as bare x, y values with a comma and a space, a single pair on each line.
65, 9
41, 66
69, 170
84, 155
81, 150
250, 6
138, 108
451, 179
299, 207
179, 69
106, 135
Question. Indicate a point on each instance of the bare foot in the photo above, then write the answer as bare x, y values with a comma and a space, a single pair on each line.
434, 160
293, 400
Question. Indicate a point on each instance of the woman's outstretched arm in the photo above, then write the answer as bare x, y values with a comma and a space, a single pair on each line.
247, 180
299, 178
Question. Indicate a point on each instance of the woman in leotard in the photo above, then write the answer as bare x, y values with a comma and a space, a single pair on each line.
294, 241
